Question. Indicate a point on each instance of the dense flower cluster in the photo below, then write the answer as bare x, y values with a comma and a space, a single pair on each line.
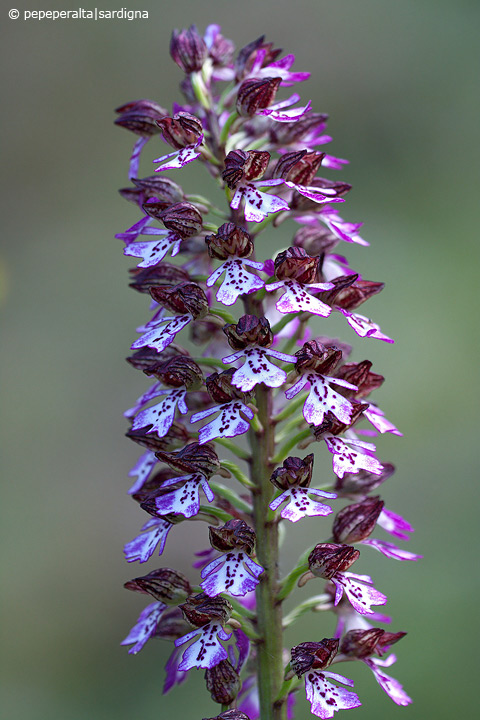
260, 385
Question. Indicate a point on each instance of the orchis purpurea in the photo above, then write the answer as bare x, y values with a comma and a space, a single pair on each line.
262, 386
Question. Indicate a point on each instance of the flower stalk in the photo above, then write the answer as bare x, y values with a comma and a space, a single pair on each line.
264, 383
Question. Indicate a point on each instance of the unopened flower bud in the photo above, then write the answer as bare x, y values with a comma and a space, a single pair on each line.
173, 625
244, 166
177, 371
144, 279
186, 297
313, 655
249, 330
295, 264
168, 586
304, 204
223, 682
234, 535
333, 425
162, 188
303, 128
294, 472
362, 482
356, 522
248, 55
203, 331
256, 95
229, 240
140, 117
220, 388
360, 644
299, 167
359, 374
201, 609
147, 357
230, 715
326, 559
192, 458
315, 357
183, 218
357, 293
151, 485
188, 49
315, 240
181, 130
339, 284
177, 436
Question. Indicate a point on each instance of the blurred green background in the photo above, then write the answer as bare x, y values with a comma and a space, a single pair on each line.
399, 80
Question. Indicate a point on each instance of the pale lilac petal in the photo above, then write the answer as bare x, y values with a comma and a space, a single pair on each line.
159, 339
161, 416
257, 369
299, 504
243, 649
154, 533
234, 573
184, 500
360, 594
296, 388
296, 299
274, 112
145, 627
207, 650
154, 391
351, 460
390, 550
346, 231
141, 470
237, 281
379, 421
391, 686
135, 157
139, 228
365, 327
322, 399
154, 251
334, 163
229, 423
325, 697
179, 157
395, 524
258, 204
318, 195
173, 676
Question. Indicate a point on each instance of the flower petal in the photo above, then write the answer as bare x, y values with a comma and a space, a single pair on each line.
325, 697
154, 533
145, 627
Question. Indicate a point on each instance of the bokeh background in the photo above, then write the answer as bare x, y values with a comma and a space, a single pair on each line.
399, 80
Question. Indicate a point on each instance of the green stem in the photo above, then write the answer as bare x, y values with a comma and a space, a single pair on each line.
235, 449
231, 496
246, 625
239, 608
215, 512
305, 607
290, 444
237, 473
269, 611
290, 580
226, 128
223, 314
209, 362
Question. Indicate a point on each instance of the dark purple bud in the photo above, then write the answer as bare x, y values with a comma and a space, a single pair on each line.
177, 436
168, 586
173, 625
188, 49
315, 240
327, 559
181, 130
315, 357
183, 218
363, 482
359, 374
360, 644
249, 330
247, 56
294, 132
294, 472
223, 682
221, 50
201, 609
162, 188
146, 357
299, 167
144, 279
256, 95
332, 424
220, 388
313, 655
177, 371
229, 240
295, 264
151, 485
230, 715
191, 459
339, 284
358, 293
140, 117
234, 535
186, 297
356, 522
388, 639
203, 331
244, 166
